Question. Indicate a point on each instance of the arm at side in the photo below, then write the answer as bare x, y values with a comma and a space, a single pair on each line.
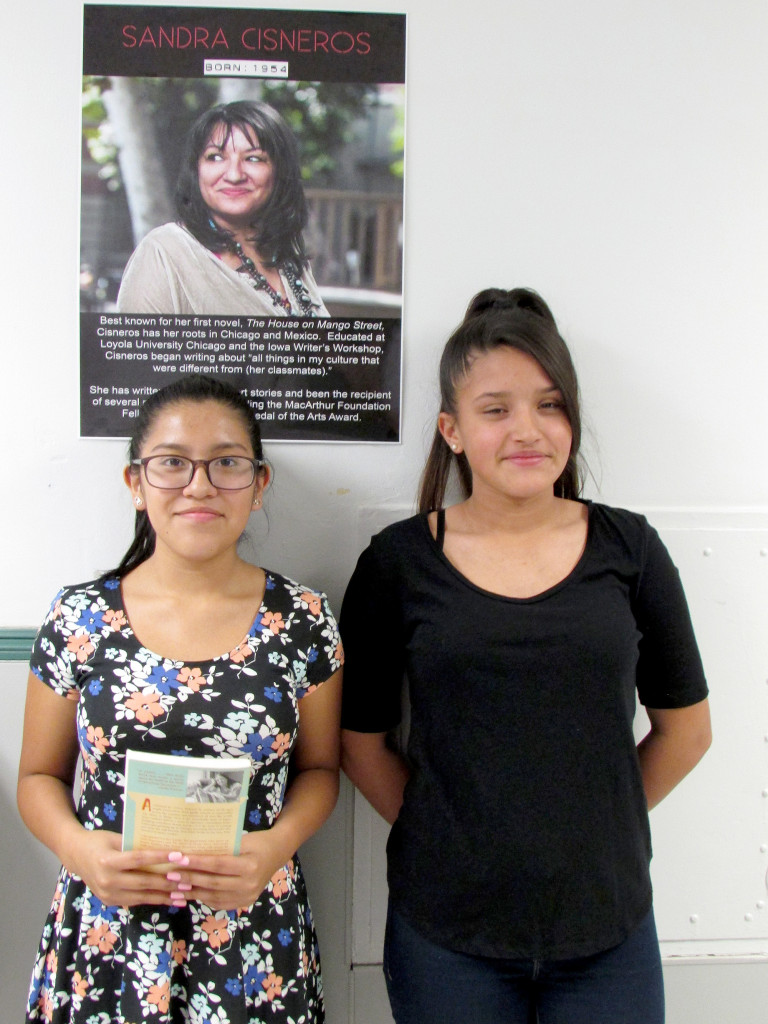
47, 769
376, 770
677, 741
314, 786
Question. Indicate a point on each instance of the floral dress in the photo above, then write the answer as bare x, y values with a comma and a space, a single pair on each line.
101, 964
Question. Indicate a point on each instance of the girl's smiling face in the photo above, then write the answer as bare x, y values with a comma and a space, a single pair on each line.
511, 425
197, 522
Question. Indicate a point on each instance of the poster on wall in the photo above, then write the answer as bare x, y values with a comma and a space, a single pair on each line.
241, 214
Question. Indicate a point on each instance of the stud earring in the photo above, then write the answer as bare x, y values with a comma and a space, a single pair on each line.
454, 447
138, 501
257, 502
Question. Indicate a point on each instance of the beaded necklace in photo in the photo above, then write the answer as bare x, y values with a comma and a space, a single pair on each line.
248, 267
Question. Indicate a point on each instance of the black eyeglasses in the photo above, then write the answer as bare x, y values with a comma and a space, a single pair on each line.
225, 472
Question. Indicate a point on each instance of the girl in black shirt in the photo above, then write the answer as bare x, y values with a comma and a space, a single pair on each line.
526, 621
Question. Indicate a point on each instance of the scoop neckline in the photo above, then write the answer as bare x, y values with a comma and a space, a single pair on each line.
193, 661
544, 594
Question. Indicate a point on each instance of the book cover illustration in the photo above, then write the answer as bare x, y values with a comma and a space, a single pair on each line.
192, 804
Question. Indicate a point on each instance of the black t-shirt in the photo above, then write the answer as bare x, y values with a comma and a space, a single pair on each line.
524, 830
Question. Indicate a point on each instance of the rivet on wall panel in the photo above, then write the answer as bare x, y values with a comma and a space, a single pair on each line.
707, 552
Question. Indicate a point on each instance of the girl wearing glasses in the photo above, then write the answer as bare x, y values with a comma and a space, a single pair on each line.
187, 649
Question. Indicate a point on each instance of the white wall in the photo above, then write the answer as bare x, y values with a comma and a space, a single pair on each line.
610, 153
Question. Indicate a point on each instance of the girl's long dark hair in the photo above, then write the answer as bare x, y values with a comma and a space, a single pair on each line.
191, 387
518, 319
279, 225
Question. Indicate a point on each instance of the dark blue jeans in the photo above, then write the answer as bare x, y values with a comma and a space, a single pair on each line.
431, 985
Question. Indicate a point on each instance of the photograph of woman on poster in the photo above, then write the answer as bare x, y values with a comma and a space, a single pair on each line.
237, 246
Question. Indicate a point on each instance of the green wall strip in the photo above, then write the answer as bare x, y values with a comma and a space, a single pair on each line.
16, 644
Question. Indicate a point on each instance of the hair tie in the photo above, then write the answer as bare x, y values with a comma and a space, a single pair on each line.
523, 300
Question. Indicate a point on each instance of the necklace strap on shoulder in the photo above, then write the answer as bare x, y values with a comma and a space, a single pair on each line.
440, 528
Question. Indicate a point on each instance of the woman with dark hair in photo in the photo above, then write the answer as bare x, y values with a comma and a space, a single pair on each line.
526, 621
238, 245
183, 649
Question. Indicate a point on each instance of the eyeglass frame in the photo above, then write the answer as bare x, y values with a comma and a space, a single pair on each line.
205, 463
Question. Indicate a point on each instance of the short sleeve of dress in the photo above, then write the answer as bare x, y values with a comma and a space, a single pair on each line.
61, 645
318, 652
669, 671
371, 616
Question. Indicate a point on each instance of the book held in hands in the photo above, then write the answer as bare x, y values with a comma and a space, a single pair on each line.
191, 804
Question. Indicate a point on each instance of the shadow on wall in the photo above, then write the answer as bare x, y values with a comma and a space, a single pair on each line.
29, 869
29, 879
